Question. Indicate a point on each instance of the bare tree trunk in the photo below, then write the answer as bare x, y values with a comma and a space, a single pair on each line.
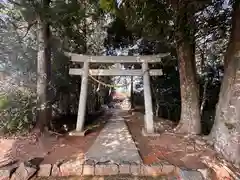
190, 112
96, 95
132, 93
202, 62
156, 98
156, 109
190, 121
226, 130
204, 96
43, 68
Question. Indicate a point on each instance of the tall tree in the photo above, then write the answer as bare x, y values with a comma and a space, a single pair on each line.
226, 129
185, 45
43, 65
36, 16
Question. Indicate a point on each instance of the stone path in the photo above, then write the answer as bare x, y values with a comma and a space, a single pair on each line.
114, 143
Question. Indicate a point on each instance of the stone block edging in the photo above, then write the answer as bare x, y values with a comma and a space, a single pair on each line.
89, 168
83, 169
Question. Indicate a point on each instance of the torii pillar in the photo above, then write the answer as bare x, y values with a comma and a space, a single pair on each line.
148, 117
82, 102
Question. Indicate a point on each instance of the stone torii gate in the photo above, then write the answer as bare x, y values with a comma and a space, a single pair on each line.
145, 72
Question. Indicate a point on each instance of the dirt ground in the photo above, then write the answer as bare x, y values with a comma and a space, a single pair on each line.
181, 151
171, 148
174, 149
51, 147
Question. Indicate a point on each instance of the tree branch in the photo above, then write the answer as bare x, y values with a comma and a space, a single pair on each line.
29, 27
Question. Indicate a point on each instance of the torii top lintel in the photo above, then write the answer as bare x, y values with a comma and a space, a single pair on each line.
117, 59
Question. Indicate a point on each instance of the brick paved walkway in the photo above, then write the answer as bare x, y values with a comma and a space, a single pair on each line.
114, 143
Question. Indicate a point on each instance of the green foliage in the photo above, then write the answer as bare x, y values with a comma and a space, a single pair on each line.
17, 111
108, 5
3, 102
